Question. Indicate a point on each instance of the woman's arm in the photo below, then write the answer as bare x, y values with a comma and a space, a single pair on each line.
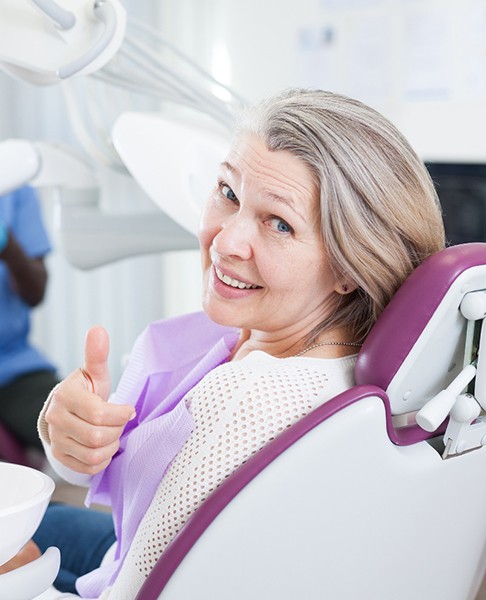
28, 275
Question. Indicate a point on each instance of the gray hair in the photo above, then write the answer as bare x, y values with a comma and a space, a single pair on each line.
379, 212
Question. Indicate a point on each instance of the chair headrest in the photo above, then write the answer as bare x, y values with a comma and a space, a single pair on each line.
417, 346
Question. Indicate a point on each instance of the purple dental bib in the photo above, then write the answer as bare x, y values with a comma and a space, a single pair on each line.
168, 359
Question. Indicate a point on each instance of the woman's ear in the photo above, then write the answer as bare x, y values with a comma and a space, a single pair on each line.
344, 288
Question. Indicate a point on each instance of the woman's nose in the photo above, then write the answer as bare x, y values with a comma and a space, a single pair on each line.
234, 238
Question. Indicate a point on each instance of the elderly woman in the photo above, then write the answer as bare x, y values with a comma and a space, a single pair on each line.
320, 211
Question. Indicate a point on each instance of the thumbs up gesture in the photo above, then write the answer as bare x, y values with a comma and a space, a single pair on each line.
84, 428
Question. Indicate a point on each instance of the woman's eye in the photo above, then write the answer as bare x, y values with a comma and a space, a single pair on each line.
228, 192
281, 226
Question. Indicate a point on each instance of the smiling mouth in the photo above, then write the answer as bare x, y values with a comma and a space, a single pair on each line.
234, 282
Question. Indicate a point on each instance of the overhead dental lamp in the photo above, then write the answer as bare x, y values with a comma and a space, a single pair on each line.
136, 104
152, 146
87, 235
46, 41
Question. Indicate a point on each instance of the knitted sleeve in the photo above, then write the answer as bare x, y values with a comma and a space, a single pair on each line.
238, 408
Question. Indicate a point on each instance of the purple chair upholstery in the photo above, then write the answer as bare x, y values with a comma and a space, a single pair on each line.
385, 349
398, 328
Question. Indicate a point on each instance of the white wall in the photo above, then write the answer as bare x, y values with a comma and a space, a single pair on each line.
421, 62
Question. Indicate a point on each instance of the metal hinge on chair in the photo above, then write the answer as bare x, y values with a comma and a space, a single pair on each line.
466, 429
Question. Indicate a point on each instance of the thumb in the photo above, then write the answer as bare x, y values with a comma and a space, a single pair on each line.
96, 349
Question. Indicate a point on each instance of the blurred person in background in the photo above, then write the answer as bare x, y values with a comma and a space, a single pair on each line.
26, 376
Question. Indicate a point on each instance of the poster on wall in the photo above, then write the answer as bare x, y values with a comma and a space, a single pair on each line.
318, 58
353, 59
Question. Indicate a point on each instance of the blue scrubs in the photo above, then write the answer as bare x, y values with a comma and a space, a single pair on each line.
20, 211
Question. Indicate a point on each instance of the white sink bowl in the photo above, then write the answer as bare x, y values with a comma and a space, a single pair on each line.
24, 496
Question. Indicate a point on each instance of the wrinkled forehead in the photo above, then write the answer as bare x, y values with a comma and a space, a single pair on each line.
250, 161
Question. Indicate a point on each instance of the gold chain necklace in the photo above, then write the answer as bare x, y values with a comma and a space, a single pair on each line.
327, 344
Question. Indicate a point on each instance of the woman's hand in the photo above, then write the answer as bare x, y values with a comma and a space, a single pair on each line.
84, 429
28, 553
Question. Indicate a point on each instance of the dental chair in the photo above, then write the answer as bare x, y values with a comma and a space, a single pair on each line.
378, 494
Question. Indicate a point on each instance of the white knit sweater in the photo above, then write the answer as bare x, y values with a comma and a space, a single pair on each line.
238, 408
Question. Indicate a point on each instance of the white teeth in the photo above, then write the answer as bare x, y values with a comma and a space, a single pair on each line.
234, 282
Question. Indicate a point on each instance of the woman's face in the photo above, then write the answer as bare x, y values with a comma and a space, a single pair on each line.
263, 258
